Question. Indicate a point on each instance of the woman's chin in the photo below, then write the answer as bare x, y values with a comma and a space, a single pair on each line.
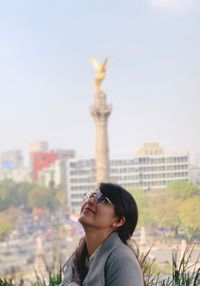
82, 219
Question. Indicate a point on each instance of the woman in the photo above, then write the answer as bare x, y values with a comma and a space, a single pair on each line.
109, 217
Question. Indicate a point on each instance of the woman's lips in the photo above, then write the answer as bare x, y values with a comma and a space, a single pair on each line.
88, 209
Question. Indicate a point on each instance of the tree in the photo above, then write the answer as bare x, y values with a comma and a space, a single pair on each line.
22, 191
7, 194
39, 198
166, 212
189, 215
61, 199
5, 224
14, 194
180, 190
167, 207
144, 207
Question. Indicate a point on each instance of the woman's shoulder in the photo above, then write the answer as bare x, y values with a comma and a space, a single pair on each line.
123, 257
121, 252
68, 264
123, 267
115, 248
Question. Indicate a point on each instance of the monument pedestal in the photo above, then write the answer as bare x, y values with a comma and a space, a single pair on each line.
39, 264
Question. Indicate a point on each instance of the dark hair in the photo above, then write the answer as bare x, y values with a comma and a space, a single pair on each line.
126, 206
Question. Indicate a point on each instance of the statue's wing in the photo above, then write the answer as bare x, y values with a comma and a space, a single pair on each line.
105, 62
96, 64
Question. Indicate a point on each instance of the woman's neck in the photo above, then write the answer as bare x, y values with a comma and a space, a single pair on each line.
94, 239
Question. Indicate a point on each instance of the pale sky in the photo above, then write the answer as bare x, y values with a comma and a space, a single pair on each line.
153, 79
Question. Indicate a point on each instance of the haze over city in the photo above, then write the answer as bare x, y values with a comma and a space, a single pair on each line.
46, 78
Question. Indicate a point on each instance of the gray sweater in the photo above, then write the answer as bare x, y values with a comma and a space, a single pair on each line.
114, 264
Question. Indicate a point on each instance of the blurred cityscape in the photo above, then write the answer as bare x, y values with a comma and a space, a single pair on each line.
40, 204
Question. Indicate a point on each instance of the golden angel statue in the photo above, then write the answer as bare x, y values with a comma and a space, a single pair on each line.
101, 71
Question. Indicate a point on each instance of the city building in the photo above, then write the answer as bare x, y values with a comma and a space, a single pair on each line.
194, 174
150, 169
197, 159
11, 166
36, 147
54, 174
81, 178
46, 160
40, 161
50, 176
11, 160
22, 174
49, 168
39, 146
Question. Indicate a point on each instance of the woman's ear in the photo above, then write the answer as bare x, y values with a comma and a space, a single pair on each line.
121, 221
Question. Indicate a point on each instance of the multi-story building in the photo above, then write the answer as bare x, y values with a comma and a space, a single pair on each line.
54, 174
11, 160
194, 174
197, 159
44, 162
49, 168
39, 146
81, 178
18, 175
149, 169
50, 176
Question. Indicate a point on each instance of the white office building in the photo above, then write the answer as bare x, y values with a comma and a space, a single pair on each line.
150, 169
194, 174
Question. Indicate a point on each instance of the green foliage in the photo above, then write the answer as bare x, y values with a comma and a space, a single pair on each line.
182, 274
144, 207
177, 207
14, 194
61, 198
189, 215
185, 199
5, 224
174, 208
7, 194
180, 190
185, 274
39, 198
22, 192
28, 194
54, 279
166, 212
7, 282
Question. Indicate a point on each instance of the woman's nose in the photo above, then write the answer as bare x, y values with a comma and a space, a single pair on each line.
92, 200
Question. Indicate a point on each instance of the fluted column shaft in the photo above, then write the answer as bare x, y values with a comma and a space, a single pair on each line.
100, 112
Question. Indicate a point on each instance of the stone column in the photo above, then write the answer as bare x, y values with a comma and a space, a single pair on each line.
39, 263
100, 112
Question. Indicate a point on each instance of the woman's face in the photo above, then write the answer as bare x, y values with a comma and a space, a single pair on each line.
99, 216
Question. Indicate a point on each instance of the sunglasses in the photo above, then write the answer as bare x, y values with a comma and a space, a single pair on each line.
98, 197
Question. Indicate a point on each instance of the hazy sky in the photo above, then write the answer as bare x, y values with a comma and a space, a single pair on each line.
153, 79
